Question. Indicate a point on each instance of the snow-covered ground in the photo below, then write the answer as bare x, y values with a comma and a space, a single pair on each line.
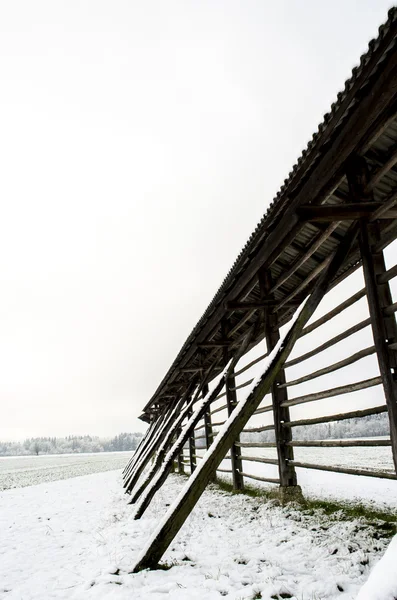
21, 471
77, 539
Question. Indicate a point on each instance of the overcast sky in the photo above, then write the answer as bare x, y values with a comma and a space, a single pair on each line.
140, 143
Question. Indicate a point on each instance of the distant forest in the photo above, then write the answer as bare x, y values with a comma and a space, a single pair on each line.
71, 444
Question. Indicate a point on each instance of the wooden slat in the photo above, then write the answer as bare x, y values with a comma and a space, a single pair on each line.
338, 338
331, 368
265, 409
339, 443
342, 212
258, 429
256, 444
260, 459
335, 311
390, 274
304, 257
337, 391
344, 470
257, 478
376, 410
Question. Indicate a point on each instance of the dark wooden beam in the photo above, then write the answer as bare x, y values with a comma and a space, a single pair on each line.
285, 453
384, 328
343, 212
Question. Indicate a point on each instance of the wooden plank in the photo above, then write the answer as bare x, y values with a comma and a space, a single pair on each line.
342, 212
380, 172
337, 391
257, 478
384, 328
181, 508
335, 340
312, 275
257, 444
285, 453
387, 275
302, 259
376, 410
231, 401
331, 368
259, 459
379, 474
340, 443
192, 445
259, 429
387, 204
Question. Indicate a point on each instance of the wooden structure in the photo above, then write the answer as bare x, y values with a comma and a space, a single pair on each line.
335, 216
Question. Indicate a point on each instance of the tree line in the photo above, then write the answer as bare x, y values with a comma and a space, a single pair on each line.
71, 444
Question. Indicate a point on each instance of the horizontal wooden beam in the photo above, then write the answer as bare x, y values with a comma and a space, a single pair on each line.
231, 306
215, 344
344, 470
376, 410
344, 212
339, 443
338, 391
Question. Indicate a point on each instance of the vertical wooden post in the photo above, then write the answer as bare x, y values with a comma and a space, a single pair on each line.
192, 446
207, 421
181, 466
231, 400
379, 296
285, 453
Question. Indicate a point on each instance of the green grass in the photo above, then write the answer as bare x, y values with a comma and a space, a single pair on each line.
384, 522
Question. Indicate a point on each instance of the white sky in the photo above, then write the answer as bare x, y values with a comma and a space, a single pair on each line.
141, 142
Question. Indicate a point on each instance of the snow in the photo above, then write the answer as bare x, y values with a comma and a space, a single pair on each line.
77, 539
382, 583
241, 406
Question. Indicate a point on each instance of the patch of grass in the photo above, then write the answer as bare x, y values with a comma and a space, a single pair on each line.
383, 522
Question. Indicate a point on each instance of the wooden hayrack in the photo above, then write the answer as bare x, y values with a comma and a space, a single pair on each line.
335, 216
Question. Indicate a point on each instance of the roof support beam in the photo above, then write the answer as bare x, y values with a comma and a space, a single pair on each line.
344, 212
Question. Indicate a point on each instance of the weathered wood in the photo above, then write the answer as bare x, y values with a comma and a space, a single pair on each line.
302, 258
192, 444
340, 443
387, 238
264, 409
257, 478
232, 306
312, 275
259, 459
331, 368
380, 172
338, 338
384, 328
376, 410
387, 204
257, 444
219, 409
337, 391
390, 310
155, 479
251, 364
343, 212
176, 516
215, 344
258, 429
285, 453
231, 401
166, 428
344, 470
387, 275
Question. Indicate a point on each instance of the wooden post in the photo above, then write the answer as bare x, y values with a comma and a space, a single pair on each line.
192, 445
207, 421
181, 466
231, 400
181, 508
384, 327
281, 414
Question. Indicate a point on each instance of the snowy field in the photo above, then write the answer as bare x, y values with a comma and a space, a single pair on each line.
77, 539
21, 471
